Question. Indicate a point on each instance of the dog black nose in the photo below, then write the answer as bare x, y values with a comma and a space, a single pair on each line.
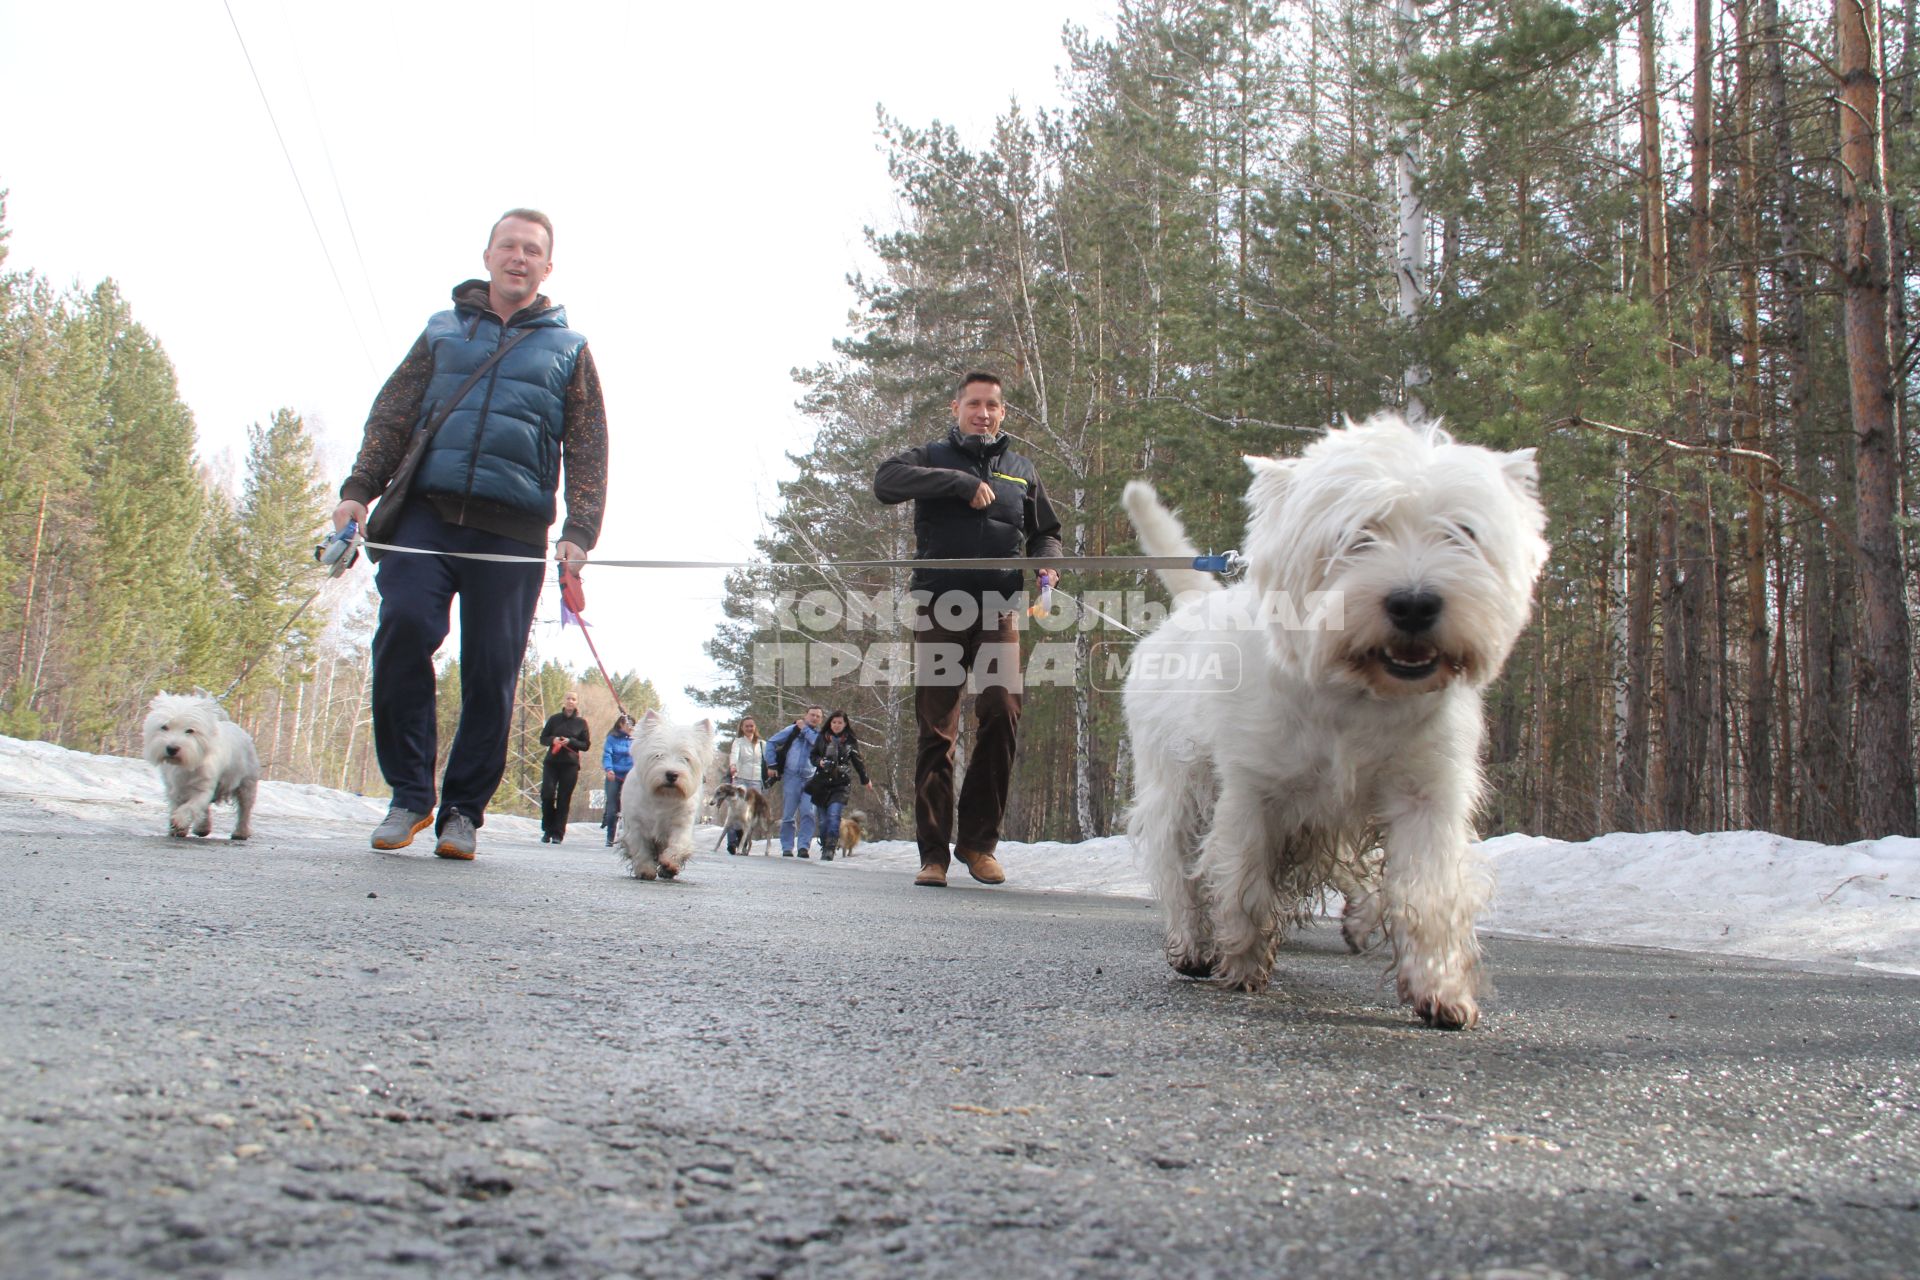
172, 750
1414, 611
672, 776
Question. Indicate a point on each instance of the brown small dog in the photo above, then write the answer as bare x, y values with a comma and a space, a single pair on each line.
850, 833
747, 809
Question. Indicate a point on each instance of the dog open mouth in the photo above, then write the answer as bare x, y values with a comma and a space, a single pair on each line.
1409, 660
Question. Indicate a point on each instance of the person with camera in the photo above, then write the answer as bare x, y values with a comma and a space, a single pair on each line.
835, 753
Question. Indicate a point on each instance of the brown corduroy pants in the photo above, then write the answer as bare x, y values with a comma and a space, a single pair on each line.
943, 658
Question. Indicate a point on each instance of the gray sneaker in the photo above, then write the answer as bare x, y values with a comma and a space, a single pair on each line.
397, 829
457, 838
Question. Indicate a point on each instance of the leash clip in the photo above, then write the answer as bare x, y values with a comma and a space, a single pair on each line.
1228, 563
337, 554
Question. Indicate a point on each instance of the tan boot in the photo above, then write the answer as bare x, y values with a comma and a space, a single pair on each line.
984, 866
932, 876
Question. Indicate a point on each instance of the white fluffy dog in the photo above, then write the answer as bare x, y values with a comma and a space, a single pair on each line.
203, 757
662, 795
1329, 705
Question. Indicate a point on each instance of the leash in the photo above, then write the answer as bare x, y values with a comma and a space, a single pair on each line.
335, 555
1226, 562
1087, 608
573, 600
342, 549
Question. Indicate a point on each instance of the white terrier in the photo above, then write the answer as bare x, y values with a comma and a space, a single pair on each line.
662, 795
1288, 725
203, 757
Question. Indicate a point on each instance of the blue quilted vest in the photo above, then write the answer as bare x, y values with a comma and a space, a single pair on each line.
501, 444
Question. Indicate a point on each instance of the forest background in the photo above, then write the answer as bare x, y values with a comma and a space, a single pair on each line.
1670, 249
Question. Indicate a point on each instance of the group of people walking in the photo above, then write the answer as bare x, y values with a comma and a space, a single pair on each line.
815, 759
495, 417
817, 756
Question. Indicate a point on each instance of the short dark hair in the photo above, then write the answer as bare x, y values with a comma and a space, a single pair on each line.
525, 215
977, 375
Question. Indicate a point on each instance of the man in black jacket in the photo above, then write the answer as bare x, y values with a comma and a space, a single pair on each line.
972, 499
564, 737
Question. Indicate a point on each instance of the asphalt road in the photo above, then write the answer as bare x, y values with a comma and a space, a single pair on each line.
301, 1058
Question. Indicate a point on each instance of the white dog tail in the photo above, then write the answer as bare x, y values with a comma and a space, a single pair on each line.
1162, 534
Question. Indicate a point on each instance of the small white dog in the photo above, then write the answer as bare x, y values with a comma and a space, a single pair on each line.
1287, 727
662, 795
203, 758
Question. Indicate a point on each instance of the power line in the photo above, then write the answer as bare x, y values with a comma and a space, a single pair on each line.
373, 296
344, 300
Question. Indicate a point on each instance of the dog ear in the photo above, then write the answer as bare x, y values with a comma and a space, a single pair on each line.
705, 727
1521, 471
1271, 477
651, 718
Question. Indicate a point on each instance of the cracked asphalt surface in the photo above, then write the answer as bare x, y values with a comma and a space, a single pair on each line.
301, 1058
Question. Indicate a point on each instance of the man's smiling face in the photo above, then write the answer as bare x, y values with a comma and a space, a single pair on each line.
518, 261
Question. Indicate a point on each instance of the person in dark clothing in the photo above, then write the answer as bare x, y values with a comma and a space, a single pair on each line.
836, 758
486, 484
973, 498
564, 736
616, 758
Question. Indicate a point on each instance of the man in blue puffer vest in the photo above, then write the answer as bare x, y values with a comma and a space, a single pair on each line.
487, 484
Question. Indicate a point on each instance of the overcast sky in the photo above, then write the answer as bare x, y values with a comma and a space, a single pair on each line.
709, 173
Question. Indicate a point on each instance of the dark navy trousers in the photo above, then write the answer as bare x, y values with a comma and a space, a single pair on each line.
496, 612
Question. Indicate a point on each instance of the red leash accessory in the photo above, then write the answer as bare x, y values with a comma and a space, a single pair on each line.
573, 595
573, 602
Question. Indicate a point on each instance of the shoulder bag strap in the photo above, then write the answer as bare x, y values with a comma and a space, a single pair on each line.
453, 402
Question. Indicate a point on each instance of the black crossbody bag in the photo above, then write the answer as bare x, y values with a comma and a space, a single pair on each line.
384, 519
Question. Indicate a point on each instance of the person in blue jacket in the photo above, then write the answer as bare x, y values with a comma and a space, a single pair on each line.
790, 763
616, 757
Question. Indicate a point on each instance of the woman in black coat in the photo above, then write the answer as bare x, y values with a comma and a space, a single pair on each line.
836, 758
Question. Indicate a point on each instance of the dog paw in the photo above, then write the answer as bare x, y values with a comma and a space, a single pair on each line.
1361, 925
1448, 1015
177, 831
645, 873
1445, 1001
668, 871
240, 835
1190, 964
1251, 979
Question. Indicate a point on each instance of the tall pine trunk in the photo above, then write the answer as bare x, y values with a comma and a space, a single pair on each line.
1883, 749
1758, 743
1818, 765
1410, 258
1687, 703
1634, 808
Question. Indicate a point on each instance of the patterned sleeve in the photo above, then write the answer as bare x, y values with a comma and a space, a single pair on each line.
583, 445
395, 412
